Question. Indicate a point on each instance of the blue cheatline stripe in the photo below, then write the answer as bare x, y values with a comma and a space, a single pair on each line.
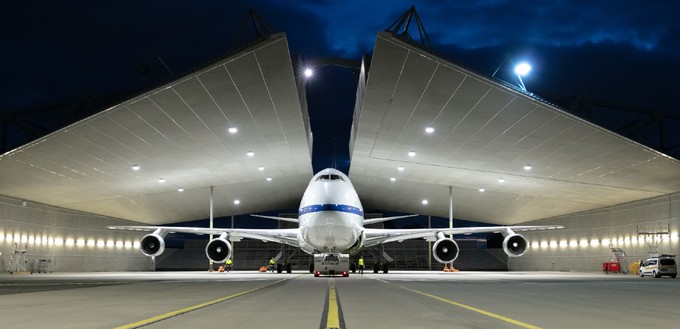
330, 207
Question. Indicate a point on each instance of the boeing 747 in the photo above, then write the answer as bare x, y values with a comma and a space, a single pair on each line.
331, 227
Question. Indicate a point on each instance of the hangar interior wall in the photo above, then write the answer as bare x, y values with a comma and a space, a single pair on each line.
586, 241
72, 241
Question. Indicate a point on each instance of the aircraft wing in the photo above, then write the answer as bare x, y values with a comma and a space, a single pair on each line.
385, 219
378, 236
284, 236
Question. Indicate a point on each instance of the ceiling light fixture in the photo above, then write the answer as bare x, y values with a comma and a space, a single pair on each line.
501, 180
429, 130
180, 190
269, 179
237, 201
232, 130
412, 153
260, 168
400, 168
250, 153
393, 179
425, 202
161, 180
481, 189
136, 167
527, 167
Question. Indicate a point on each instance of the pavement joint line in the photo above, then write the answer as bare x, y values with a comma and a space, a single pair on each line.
467, 307
185, 310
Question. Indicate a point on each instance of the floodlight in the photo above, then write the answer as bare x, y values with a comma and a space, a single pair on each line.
522, 69
309, 72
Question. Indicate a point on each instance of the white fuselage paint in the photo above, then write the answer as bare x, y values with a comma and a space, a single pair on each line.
330, 216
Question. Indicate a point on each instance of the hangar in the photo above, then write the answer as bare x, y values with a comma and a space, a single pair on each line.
485, 131
508, 156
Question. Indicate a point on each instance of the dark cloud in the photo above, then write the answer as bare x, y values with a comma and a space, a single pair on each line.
475, 24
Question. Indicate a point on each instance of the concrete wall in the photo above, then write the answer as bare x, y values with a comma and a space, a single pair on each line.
585, 242
73, 241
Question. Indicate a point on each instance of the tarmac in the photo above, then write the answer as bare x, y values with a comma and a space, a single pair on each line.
399, 299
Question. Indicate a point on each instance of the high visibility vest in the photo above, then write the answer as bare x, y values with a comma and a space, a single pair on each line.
228, 261
361, 262
272, 262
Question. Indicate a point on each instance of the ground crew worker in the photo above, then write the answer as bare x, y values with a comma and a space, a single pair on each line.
229, 264
361, 265
272, 264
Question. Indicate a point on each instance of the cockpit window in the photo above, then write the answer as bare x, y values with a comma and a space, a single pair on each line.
329, 177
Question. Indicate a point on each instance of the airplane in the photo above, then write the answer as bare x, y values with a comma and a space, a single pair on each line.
331, 226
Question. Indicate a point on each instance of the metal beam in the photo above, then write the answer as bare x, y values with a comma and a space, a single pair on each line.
400, 28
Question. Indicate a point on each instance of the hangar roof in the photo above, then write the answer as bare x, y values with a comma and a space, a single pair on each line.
485, 132
178, 132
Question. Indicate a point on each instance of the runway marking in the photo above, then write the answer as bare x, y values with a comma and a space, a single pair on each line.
332, 317
467, 307
196, 307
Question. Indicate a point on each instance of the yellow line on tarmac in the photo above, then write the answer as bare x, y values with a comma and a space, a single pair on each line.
193, 308
332, 318
474, 309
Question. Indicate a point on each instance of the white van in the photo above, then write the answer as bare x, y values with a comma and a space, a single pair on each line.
659, 265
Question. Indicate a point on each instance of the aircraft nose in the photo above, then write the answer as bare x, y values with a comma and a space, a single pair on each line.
331, 232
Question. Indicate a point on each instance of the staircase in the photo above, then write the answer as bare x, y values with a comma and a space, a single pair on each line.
620, 258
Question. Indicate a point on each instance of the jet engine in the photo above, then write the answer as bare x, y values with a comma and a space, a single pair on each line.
514, 245
218, 250
152, 245
445, 250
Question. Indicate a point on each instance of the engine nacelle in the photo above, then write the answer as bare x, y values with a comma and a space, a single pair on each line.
152, 245
515, 245
218, 250
445, 250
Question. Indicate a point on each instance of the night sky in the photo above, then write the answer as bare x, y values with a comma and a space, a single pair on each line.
621, 52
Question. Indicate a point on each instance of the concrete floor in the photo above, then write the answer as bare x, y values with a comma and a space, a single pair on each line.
298, 300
